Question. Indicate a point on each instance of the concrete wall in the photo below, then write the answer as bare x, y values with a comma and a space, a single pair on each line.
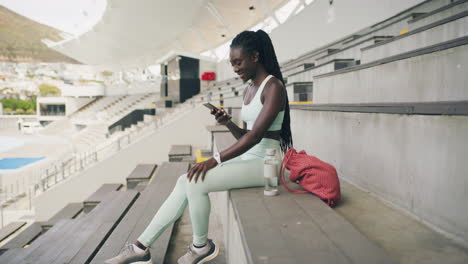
306, 76
88, 90
11, 121
71, 104
449, 31
152, 149
439, 76
439, 16
49, 100
309, 29
144, 87
351, 53
74, 104
416, 162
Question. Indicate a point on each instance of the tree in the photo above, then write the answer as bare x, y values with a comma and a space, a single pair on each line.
9, 103
106, 73
21, 104
47, 89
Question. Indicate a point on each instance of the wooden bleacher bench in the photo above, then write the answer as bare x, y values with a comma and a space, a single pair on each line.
10, 255
99, 195
9, 229
191, 160
75, 240
141, 173
70, 211
294, 228
141, 214
24, 237
36, 229
178, 152
140, 186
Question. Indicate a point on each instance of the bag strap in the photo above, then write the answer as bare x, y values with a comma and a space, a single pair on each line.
282, 175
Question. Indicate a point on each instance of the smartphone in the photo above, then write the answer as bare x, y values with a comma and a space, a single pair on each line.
210, 106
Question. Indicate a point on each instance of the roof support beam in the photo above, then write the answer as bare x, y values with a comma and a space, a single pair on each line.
215, 13
268, 10
298, 6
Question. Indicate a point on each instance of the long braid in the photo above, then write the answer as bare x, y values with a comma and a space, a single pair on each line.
260, 41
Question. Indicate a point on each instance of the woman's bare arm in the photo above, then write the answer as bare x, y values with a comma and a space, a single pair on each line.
224, 119
236, 131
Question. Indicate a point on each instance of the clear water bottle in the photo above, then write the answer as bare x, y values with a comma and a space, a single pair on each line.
270, 173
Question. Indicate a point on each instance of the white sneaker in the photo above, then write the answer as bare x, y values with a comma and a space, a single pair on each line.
129, 256
192, 257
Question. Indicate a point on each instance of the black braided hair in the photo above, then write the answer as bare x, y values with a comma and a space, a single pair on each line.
259, 41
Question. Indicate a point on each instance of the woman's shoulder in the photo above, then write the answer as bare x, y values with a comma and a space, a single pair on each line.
274, 84
274, 87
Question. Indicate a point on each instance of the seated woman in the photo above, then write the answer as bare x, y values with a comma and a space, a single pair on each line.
265, 113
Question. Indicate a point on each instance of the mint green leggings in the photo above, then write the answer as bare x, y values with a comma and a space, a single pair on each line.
243, 171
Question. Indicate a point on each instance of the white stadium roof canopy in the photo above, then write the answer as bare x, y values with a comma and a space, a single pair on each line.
137, 33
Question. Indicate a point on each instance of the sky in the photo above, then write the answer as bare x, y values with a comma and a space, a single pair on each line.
71, 16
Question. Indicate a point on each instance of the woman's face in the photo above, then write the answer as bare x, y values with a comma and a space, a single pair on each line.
242, 64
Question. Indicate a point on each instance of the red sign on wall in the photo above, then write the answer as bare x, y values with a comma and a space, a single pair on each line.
208, 76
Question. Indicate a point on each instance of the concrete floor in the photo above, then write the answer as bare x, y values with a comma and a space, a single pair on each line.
406, 240
35, 145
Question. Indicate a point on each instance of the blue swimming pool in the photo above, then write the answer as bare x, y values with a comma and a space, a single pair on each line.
15, 163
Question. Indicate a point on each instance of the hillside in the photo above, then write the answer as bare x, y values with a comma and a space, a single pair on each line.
20, 40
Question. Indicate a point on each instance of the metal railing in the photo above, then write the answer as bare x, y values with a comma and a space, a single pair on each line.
38, 179
67, 167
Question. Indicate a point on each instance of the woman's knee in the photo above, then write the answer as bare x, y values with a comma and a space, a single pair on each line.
182, 181
192, 187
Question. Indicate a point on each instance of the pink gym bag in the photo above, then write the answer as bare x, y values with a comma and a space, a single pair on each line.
313, 175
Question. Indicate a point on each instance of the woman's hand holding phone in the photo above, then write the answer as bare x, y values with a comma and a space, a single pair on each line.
221, 116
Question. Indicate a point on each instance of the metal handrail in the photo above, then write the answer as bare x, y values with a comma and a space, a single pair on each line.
56, 171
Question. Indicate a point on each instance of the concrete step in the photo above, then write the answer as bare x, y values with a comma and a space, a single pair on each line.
404, 238
435, 33
443, 12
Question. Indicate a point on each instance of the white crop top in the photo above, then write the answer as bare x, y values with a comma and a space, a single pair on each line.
250, 112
